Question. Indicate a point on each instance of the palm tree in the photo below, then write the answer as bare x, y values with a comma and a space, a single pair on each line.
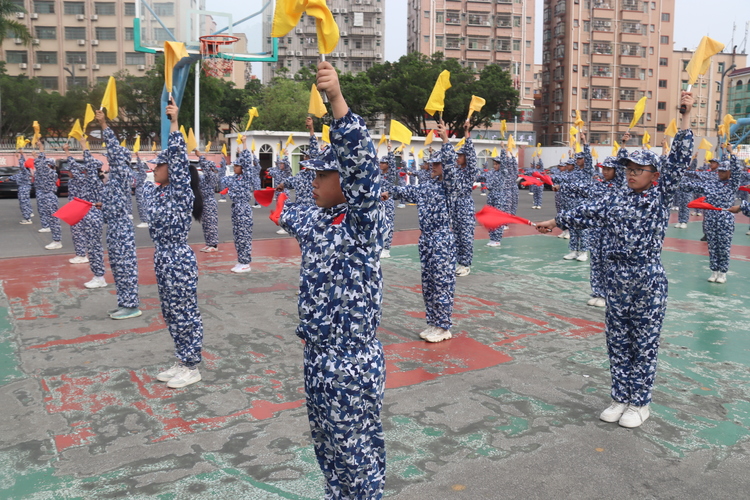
8, 24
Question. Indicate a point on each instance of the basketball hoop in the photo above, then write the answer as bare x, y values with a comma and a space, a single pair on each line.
216, 63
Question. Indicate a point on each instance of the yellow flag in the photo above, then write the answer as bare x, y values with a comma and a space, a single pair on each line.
722, 130
173, 52
420, 155
153, 146
494, 152
382, 140
594, 154
671, 129
252, 113
429, 138
316, 107
573, 131
701, 59
208, 147
326, 137
288, 13
137, 144
503, 128
511, 143
89, 116
109, 101
184, 134
436, 102
123, 144
399, 149
705, 145
86, 143
412, 151
728, 121
578, 123
192, 144
37, 134
579, 149
476, 104
640, 107
76, 131
709, 156
460, 144
400, 133
646, 140
615, 149
224, 149
289, 140
21, 142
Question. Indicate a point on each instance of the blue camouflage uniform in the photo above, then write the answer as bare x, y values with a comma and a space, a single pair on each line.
91, 224
340, 309
45, 185
169, 213
423, 175
302, 185
537, 191
222, 173
684, 196
141, 172
313, 151
437, 246
23, 180
280, 173
210, 217
387, 180
77, 186
463, 220
634, 225
241, 191
116, 201
575, 190
500, 184
718, 224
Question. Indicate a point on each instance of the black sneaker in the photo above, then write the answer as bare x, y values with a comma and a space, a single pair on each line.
705, 238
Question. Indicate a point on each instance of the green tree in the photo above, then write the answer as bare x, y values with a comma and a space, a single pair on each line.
23, 102
9, 26
282, 105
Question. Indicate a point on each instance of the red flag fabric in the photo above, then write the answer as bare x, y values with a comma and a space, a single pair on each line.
745, 188
531, 181
264, 196
700, 203
544, 178
492, 218
279, 207
29, 163
73, 211
224, 191
338, 219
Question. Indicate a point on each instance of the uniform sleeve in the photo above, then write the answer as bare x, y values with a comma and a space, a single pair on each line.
449, 156
736, 179
118, 158
409, 194
313, 150
745, 208
591, 213
588, 160
179, 166
677, 162
471, 158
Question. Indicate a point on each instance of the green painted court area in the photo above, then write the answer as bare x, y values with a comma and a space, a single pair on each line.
506, 409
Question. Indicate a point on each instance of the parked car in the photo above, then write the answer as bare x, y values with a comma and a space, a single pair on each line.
10, 187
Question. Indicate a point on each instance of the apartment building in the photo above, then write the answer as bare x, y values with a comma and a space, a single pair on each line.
361, 28
477, 33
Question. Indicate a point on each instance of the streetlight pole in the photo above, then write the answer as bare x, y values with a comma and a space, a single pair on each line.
72, 74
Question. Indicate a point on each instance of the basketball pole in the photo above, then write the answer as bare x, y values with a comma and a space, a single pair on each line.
197, 118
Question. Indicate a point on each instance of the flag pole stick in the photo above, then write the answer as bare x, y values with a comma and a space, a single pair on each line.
683, 108
323, 94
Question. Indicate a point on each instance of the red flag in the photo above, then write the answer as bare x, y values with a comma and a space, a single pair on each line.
279, 208
224, 191
29, 163
264, 196
544, 177
700, 203
531, 181
745, 188
492, 218
73, 211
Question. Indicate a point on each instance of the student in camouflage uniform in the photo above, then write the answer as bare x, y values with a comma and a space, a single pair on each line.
495, 180
139, 179
23, 180
634, 221
388, 178
241, 191
536, 191
340, 304
77, 186
210, 216
45, 184
93, 220
462, 204
170, 206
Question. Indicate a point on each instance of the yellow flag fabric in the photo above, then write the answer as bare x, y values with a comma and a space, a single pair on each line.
476, 104
224, 149
288, 13
573, 131
701, 59
594, 154
289, 140
382, 140
412, 151
326, 134
420, 155
671, 130
109, 101
184, 134
252, 145
153, 146
173, 52
494, 152
646, 140
709, 155
429, 138
503, 128
579, 149
123, 144
400, 133
316, 107
728, 121
89, 116
436, 102
192, 144
76, 132
640, 107
86, 145
705, 144
615, 149
511, 143
208, 147
722, 130
460, 144
578, 123
20, 142
252, 113
37, 134
137, 144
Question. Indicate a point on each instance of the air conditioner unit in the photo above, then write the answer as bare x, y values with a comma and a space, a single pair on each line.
18, 41
378, 56
80, 17
94, 17
358, 2
378, 33
298, 31
82, 67
141, 67
34, 15
94, 42
37, 66
343, 11
335, 11
344, 33
20, 15
23, 65
298, 53
35, 41
95, 67
378, 10
81, 42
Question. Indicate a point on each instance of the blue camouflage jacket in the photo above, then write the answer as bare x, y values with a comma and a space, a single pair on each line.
466, 175
45, 177
116, 194
210, 178
241, 186
23, 177
718, 193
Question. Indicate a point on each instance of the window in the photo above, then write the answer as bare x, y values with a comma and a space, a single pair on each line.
665, 17
73, 8
600, 115
75, 33
106, 8
575, 45
48, 82
527, 91
426, 39
602, 93
133, 58
661, 105
16, 56
162, 35
106, 58
720, 67
660, 127
130, 9
528, 44
648, 117
440, 16
503, 44
625, 116
575, 91
587, 26
516, 44
575, 23
46, 32
427, 14
438, 41
662, 84
43, 57
44, 7
129, 34
584, 94
528, 19
664, 40
663, 61
585, 70
81, 81
105, 33
517, 21
75, 58
452, 17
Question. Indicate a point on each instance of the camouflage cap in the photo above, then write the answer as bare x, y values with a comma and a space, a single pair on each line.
324, 162
160, 158
643, 157
724, 165
436, 157
611, 162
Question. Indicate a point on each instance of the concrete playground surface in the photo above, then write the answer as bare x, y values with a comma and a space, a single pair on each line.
508, 408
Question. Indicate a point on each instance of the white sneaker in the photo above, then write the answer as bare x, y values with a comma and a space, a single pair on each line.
634, 416
400, 205
613, 412
79, 259
748, 233
561, 235
96, 282
385, 254
45, 230
257, 205
241, 268
582, 256
32, 215
281, 231
483, 194
169, 373
592, 301
208, 249
130, 216
53, 246
678, 225
426, 332
721, 278
567, 234
495, 244
25, 221
184, 377
683, 225
463, 270
438, 335
600, 302
142, 224
572, 255
713, 276
222, 200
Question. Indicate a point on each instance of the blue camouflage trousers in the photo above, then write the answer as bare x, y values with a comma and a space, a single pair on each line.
513, 199
537, 191
141, 204
719, 228
242, 229
91, 227
177, 280
579, 240
682, 199
24, 201
79, 239
463, 222
344, 388
210, 221
47, 205
389, 214
123, 261
495, 199
598, 262
636, 303
437, 253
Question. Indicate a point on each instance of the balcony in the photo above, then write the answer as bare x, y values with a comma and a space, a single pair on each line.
601, 4
361, 53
